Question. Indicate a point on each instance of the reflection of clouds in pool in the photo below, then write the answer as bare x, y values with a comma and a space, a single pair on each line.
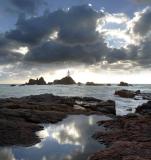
6, 154
69, 139
67, 135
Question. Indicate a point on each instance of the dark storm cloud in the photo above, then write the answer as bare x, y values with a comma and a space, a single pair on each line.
143, 25
26, 6
7, 55
77, 39
50, 52
78, 25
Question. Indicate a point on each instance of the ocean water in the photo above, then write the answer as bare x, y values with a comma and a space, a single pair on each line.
101, 92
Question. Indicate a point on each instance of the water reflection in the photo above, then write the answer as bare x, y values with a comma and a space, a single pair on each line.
66, 140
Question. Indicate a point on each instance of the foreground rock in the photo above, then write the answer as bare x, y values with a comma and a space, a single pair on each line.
144, 108
127, 138
127, 93
37, 81
65, 81
20, 117
18, 133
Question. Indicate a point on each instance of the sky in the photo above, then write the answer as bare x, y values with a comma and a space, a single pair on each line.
104, 41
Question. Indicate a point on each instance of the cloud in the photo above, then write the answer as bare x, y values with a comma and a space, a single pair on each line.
142, 25
7, 55
25, 6
50, 52
77, 25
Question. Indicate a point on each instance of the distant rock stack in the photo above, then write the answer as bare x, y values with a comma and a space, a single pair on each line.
37, 81
124, 84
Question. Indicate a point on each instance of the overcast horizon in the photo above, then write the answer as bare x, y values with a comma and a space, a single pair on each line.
104, 41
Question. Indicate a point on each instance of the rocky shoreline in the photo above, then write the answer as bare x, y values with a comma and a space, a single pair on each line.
20, 118
127, 137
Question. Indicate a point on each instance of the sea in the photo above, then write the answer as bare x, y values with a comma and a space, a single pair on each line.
103, 92
70, 139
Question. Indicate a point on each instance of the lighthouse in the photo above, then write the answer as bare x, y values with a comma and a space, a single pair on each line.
68, 73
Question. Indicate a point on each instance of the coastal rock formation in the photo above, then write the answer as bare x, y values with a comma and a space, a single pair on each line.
20, 117
37, 81
127, 93
93, 84
127, 137
124, 84
65, 81
144, 108
13, 85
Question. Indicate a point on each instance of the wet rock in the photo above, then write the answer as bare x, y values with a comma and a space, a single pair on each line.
125, 150
18, 133
144, 108
129, 109
78, 107
146, 96
127, 93
127, 138
65, 81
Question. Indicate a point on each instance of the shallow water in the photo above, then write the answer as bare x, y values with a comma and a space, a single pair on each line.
69, 139
101, 92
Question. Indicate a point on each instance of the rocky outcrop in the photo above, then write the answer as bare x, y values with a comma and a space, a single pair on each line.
127, 93
93, 84
13, 85
124, 84
144, 108
37, 81
127, 138
65, 81
20, 117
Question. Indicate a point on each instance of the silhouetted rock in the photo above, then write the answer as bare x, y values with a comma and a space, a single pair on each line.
13, 85
50, 83
37, 81
124, 84
79, 83
22, 84
127, 93
93, 84
65, 81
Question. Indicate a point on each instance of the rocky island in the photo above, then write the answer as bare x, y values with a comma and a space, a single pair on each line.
124, 84
68, 80
37, 81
